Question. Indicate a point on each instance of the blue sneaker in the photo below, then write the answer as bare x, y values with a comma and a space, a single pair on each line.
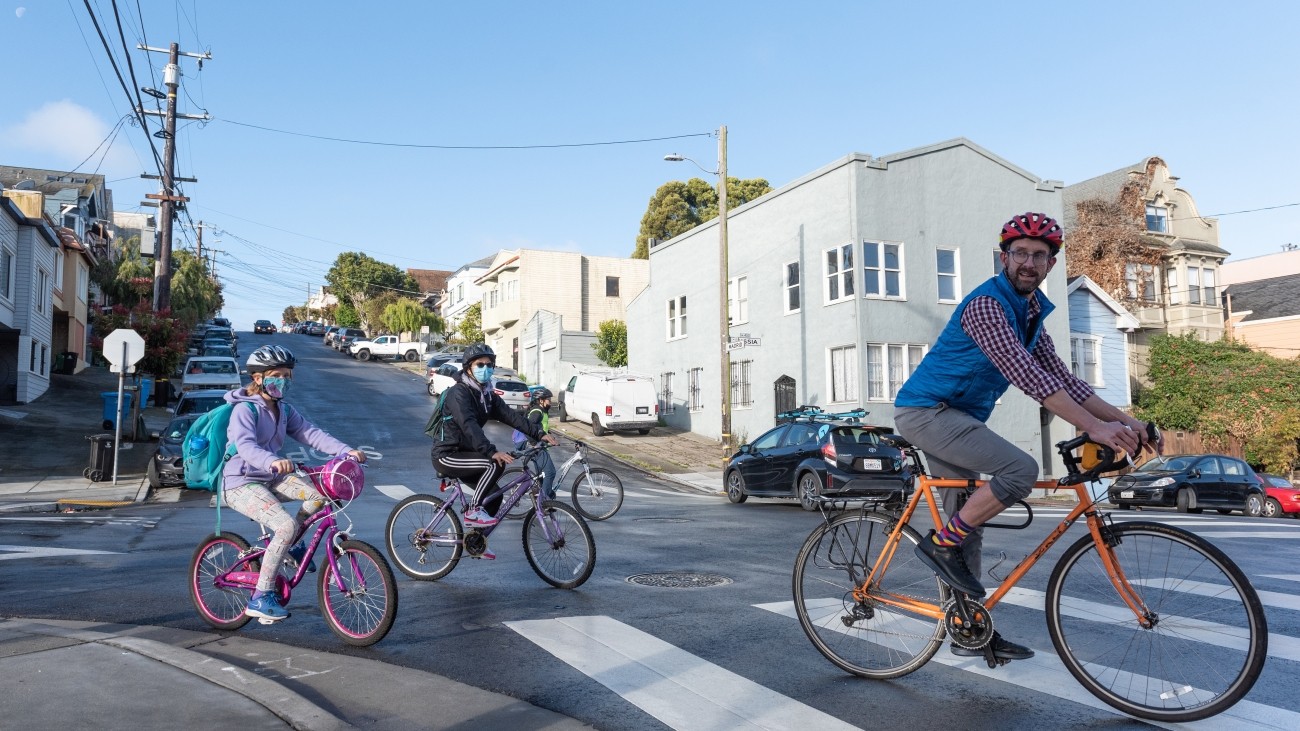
294, 557
266, 606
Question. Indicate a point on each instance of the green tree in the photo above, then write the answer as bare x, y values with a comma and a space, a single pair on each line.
611, 343
678, 207
164, 336
125, 278
470, 328
290, 315
356, 277
344, 314
407, 316
196, 295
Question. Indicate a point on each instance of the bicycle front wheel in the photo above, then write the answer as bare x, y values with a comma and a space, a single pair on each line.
597, 494
220, 606
870, 638
359, 601
1208, 638
559, 545
424, 537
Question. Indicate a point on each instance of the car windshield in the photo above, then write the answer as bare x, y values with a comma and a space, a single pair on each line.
1168, 464
512, 386
224, 368
199, 405
177, 429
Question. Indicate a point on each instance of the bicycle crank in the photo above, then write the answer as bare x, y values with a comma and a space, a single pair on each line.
475, 543
968, 623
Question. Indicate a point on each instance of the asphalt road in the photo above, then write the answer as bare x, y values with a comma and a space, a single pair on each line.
498, 626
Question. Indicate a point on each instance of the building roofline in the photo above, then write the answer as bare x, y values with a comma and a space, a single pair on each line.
1125, 320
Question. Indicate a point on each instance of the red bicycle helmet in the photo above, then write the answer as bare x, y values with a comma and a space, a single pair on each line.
1033, 226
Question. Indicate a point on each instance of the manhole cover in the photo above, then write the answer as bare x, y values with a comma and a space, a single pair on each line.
679, 580
663, 520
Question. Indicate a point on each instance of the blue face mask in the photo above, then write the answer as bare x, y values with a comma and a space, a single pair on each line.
275, 386
483, 374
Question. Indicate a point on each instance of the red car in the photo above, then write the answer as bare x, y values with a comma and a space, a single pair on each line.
1283, 498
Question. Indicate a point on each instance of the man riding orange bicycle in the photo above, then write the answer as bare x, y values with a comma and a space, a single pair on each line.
996, 339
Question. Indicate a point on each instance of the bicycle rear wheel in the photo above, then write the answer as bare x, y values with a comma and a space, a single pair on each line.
559, 545
359, 601
424, 537
868, 638
1208, 642
597, 494
220, 606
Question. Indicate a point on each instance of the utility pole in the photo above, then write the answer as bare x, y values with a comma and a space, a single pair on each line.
167, 198
198, 242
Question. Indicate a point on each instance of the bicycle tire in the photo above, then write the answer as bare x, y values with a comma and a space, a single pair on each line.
221, 607
1211, 631
362, 611
413, 537
868, 639
597, 494
567, 562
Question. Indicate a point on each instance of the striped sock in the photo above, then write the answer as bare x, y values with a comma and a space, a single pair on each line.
953, 533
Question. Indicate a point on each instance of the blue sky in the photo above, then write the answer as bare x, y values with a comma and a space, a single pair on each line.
1066, 90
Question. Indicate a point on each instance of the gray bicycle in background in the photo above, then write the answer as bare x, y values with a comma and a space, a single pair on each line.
596, 493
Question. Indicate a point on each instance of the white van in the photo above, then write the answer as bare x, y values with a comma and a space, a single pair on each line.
611, 402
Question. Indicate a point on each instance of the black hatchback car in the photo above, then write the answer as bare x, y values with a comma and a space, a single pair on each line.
1191, 483
818, 454
166, 467
264, 326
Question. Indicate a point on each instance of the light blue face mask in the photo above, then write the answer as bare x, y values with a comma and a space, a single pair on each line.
275, 386
483, 374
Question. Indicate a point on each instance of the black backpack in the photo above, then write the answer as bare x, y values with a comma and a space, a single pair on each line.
437, 426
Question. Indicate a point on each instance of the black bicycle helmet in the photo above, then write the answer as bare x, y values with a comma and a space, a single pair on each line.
476, 351
270, 356
541, 393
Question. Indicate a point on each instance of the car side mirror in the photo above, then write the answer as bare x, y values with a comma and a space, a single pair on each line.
155, 435
1194, 473
746, 449
243, 372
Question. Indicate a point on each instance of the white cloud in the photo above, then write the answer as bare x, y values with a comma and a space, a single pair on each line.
20, 11
65, 133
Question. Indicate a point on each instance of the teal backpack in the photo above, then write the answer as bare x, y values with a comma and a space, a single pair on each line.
206, 448
437, 424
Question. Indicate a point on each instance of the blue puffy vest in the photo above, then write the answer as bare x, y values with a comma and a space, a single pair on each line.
956, 372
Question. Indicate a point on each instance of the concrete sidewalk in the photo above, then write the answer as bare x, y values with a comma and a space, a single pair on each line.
59, 674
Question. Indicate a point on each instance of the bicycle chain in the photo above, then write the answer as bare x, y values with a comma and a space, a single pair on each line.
971, 637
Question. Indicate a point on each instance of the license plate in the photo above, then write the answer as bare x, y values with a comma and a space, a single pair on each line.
643, 409
1126, 493
869, 464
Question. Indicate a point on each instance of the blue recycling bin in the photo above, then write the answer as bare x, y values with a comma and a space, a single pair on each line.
146, 388
110, 400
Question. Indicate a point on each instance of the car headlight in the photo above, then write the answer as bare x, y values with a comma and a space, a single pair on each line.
1163, 482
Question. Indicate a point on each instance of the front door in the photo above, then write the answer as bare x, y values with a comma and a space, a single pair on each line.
784, 394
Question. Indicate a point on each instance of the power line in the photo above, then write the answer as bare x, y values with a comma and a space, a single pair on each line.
465, 147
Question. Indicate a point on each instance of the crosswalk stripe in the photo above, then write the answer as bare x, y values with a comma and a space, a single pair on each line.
16, 552
681, 690
1285, 535
1201, 588
1045, 673
396, 492
1283, 577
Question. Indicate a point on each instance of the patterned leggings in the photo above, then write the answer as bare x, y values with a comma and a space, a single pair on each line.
255, 501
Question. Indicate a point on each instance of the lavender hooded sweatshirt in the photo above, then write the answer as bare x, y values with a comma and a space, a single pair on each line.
259, 438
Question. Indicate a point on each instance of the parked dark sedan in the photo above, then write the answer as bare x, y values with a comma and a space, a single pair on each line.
817, 455
1191, 483
166, 468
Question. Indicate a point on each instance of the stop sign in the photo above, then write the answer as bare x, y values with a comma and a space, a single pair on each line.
123, 347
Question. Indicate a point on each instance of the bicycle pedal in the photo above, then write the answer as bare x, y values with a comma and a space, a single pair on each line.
268, 620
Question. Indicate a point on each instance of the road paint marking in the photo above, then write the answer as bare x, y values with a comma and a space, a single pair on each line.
15, 552
1283, 577
144, 522
1201, 588
1045, 673
681, 690
396, 492
1288, 535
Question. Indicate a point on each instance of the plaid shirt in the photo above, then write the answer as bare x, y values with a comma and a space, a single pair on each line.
1040, 373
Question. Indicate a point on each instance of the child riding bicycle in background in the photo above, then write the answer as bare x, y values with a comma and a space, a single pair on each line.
538, 414
256, 470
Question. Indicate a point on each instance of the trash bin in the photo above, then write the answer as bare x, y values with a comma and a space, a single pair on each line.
146, 388
65, 363
162, 393
110, 399
101, 457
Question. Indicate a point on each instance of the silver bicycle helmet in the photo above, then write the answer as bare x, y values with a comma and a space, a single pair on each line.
270, 356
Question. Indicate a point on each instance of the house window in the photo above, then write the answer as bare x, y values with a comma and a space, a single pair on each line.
949, 281
611, 286
666, 393
792, 287
42, 290
1085, 359
1194, 285
1157, 219
693, 389
839, 274
58, 270
742, 395
997, 262
83, 282
1209, 297
512, 291
39, 353
460, 292
882, 266
738, 301
677, 317
1141, 281
889, 365
6, 274
1171, 282
844, 373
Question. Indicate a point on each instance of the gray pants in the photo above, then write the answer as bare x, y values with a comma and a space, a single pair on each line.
256, 501
957, 445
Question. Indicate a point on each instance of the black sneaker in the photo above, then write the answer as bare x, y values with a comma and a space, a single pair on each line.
950, 565
1002, 650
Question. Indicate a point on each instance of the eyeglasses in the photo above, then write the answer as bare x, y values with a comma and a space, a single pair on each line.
1020, 257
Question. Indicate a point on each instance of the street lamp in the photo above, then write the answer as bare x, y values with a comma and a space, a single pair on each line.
724, 320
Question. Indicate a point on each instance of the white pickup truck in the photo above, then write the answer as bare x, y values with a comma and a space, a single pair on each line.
387, 346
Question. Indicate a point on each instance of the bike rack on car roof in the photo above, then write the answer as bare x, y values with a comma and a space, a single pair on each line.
814, 413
